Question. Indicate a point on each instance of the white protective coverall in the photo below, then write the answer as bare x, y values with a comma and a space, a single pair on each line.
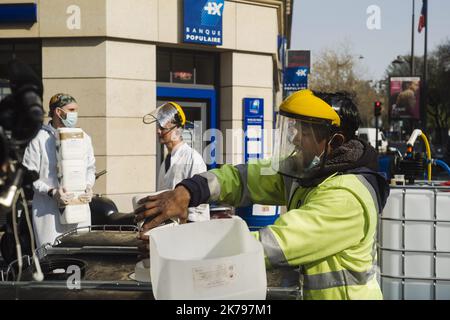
40, 156
184, 163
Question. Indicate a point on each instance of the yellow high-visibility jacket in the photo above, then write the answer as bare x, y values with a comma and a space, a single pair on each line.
329, 229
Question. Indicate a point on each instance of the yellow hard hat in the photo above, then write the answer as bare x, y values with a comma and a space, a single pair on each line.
304, 103
180, 112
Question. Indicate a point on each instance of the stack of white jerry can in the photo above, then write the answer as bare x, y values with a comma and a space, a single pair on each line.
72, 167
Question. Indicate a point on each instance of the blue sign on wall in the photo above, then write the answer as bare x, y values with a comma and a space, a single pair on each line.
11, 13
295, 78
282, 45
256, 216
203, 21
253, 128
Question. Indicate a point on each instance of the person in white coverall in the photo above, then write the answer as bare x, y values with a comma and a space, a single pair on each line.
181, 161
41, 156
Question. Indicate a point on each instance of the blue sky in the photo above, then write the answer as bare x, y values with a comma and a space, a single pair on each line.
320, 24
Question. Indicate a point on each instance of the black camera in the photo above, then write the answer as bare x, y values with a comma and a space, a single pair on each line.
21, 117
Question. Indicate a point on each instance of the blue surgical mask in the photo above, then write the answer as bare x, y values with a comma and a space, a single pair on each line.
314, 162
71, 119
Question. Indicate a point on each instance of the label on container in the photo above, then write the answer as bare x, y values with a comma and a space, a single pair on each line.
214, 276
264, 210
70, 135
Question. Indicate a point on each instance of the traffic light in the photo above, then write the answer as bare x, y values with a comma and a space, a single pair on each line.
377, 108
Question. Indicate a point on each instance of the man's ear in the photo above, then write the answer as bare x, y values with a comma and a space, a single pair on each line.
59, 113
337, 140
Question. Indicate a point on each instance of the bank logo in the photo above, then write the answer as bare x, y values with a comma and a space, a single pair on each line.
254, 108
203, 21
213, 8
295, 78
211, 13
301, 73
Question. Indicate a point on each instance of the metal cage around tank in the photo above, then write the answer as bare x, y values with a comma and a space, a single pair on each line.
414, 243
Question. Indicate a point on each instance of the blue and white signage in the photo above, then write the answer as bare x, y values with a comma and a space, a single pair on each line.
203, 21
11, 13
253, 128
295, 78
256, 216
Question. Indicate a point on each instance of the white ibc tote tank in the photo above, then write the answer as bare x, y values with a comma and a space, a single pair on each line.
414, 239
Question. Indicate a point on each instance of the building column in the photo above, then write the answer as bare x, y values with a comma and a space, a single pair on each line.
243, 76
114, 83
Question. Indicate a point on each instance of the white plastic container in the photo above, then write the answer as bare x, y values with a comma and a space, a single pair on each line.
73, 174
75, 214
142, 271
417, 264
72, 167
142, 268
71, 144
216, 259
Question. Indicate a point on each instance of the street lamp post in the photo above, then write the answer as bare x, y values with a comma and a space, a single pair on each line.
412, 40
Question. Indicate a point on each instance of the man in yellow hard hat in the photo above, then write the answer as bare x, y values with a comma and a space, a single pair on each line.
327, 179
181, 161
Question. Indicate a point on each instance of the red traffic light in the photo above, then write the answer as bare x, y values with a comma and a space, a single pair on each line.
377, 108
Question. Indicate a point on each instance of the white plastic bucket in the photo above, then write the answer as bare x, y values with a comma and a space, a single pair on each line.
415, 244
216, 259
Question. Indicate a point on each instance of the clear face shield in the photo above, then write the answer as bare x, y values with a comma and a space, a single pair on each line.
299, 146
168, 121
165, 116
